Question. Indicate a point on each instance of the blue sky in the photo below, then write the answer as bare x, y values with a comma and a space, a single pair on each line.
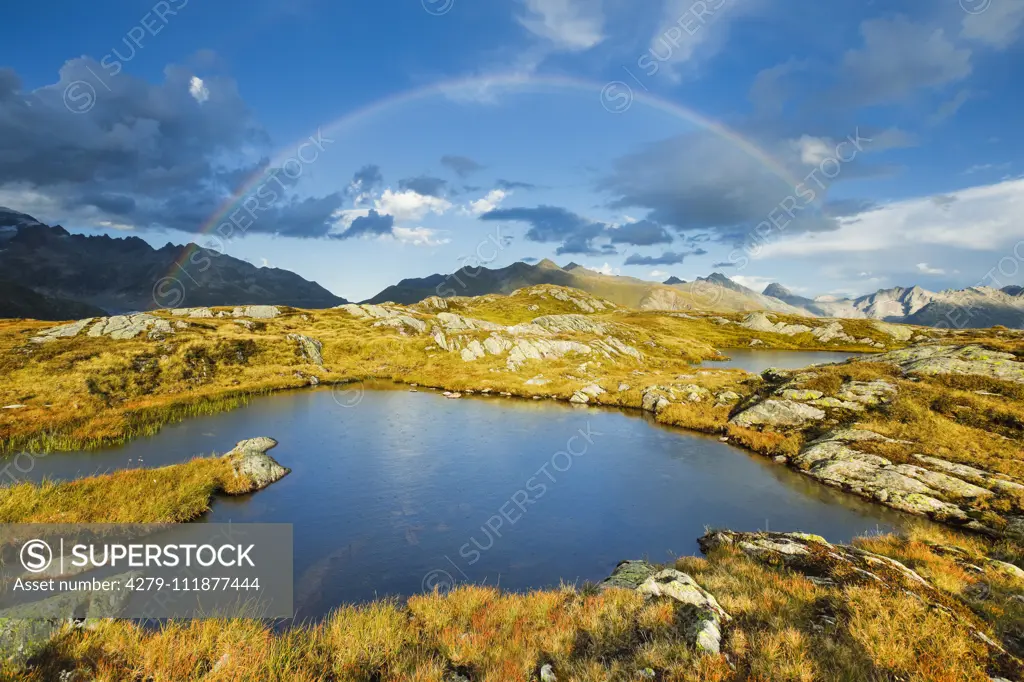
837, 148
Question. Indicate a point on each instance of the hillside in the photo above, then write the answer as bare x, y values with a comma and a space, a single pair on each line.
127, 274
18, 301
715, 292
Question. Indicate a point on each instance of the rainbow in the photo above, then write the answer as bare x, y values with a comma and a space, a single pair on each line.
507, 82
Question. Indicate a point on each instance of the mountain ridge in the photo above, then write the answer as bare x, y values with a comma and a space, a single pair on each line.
126, 274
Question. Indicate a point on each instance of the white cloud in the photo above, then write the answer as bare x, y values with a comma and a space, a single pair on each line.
572, 25
264, 262
691, 30
198, 89
926, 269
417, 236
998, 26
605, 269
752, 281
409, 207
983, 218
813, 150
345, 217
488, 203
658, 274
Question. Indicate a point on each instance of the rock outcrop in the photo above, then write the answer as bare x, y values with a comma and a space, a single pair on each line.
698, 608
778, 413
830, 565
760, 322
309, 348
835, 461
251, 461
938, 360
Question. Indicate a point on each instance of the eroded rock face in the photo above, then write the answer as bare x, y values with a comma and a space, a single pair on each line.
760, 322
192, 312
586, 303
310, 349
65, 331
913, 489
776, 413
257, 312
250, 459
833, 331
698, 607
973, 359
568, 324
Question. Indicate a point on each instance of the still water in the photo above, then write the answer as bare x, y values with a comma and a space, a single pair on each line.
756, 361
393, 491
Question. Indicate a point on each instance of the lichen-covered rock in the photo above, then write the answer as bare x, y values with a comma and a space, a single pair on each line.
980, 477
457, 323
542, 349
122, 327
257, 312
403, 323
705, 613
876, 392
906, 487
65, 331
785, 413
579, 398
192, 312
698, 606
654, 400
629, 575
760, 322
251, 461
937, 360
474, 350
496, 344
592, 390
799, 394
310, 349
833, 331
728, 397
568, 324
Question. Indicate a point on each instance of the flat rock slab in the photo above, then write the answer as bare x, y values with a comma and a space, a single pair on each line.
778, 413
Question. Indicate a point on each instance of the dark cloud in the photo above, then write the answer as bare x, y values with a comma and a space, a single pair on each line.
642, 233
531, 259
554, 224
667, 258
366, 179
724, 264
369, 225
700, 182
512, 184
425, 185
94, 147
462, 165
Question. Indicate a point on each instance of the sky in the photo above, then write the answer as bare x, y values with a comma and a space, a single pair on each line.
837, 148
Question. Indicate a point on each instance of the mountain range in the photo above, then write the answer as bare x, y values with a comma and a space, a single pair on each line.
48, 273
971, 307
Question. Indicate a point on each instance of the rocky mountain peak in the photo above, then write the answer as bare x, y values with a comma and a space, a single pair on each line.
776, 290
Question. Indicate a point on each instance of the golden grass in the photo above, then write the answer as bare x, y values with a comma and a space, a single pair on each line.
784, 627
172, 494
